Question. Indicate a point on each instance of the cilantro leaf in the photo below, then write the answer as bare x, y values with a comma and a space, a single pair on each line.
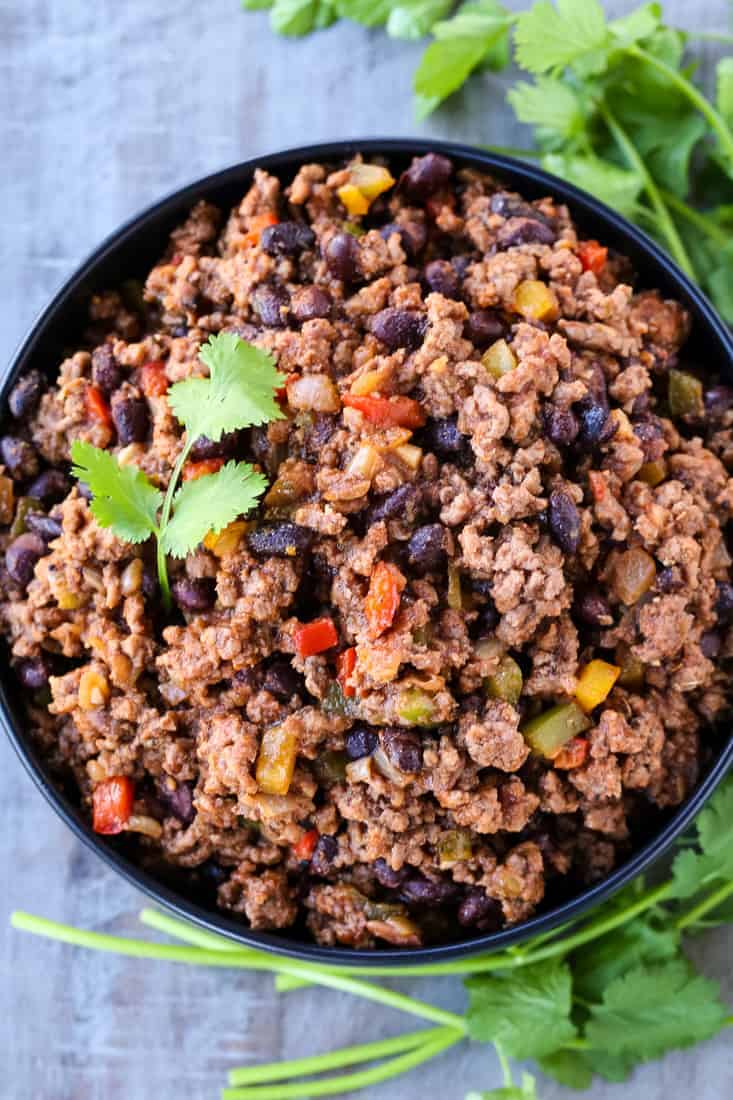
637, 25
653, 1009
528, 1014
549, 104
550, 38
209, 503
123, 498
413, 19
567, 1067
370, 13
239, 392
294, 18
526, 1091
693, 871
611, 1067
599, 963
724, 86
619, 187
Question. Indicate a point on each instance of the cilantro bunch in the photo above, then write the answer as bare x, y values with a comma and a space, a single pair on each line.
613, 103
239, 393
594, 998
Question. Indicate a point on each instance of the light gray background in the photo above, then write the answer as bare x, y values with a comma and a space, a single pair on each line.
104, 106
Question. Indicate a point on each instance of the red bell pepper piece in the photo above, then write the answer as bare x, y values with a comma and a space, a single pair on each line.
592, 256
257, 223
97, 406
194, 470
345, 664
112, 804
314, 637
383, 598
153, 378
306, 846
387, 412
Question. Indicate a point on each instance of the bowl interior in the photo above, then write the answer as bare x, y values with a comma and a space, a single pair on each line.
130, 253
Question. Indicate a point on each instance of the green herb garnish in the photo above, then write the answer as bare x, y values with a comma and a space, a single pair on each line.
614, 106
239, 393
594, 998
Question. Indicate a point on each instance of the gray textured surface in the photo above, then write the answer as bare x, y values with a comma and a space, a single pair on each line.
103, 107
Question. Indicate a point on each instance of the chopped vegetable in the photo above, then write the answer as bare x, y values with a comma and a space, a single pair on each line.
257, 223
22, 508
276, 759
93, 689
454, 596
415, 707
227, 540
345, 665
535, 301
313, 393
387, 412
685, 394
549, 732
506, 683
454, 846
633, 672
383, 598
153, 378
330, 766
592, 256
573, 755
306, 846
653, 473
499, 359
366, 182
112, 802
315, 637
192, 471
97, 406
595, 683
7, 500
634, 574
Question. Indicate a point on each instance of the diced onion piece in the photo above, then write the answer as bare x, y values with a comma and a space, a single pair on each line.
685, 394
384, 765
398, 930
93, 689
365, 462
145, 824
276, 759
634, 574
314, 393
550, 731
409, 454
361, 770
455, 596
453, 847
499, 359
595, 683
535, 301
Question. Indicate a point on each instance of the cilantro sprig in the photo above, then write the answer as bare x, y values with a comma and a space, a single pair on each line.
238, 393
595, 998
614, 104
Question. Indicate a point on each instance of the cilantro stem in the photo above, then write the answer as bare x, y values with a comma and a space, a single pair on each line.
347, 1056
712, 901
666, 225
694, 217
506, 1069
688, 89
165, 516
351, 1081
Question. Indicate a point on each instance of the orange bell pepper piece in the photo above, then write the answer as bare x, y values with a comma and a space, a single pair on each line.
315, 637
592, 256
383, 598
345, 665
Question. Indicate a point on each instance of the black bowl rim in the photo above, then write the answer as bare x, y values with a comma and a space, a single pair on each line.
518, 173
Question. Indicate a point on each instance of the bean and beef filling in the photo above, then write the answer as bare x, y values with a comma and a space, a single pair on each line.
474, 637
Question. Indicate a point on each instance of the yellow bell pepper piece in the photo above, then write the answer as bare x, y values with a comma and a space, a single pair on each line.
355, 202
595, 683
535, 301
366, 182
227, 540
499, 359
276, 759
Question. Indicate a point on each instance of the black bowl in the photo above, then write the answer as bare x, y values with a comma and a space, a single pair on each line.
130, 252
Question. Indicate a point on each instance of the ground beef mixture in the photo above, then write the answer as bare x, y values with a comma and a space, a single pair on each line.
500, 492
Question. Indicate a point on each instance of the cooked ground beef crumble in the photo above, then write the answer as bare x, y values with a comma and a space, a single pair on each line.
483, 418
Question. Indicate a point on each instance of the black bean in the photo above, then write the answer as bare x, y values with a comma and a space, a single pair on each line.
178, 801
194, 593
424, 891
443, 439
150, 582
670, 579
484, 327
386, 877
561, 425
26, 393
131, 418
718, 400
213, 874
33, 674
280, 540
399, 328
413, 236
523, 230
51, 486
596, 427
509, 205
592, 608
283, 681
427, 548
271, 304
318, 434
402, 503
19, 457
309, 303
425, 176
487, 621
360, 741
564, 521
106, 371
711, 643
45, 526
225, 447
324, 854
21, 557
403, 749
287, 238
724, 602
479, 909
441, 277
342, 257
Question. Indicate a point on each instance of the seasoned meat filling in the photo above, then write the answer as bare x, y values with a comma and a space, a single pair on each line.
473, 638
